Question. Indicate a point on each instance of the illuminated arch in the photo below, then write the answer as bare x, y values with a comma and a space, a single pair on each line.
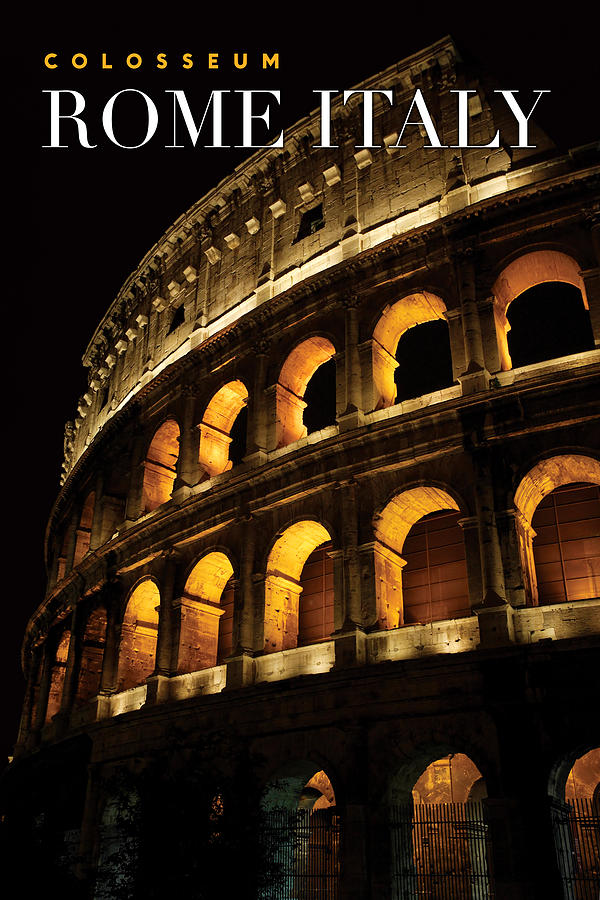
92, 654
160, 465
416, 309
282, 584
138, 635
57, 676
205, 601
84, 529
540, 481
216, 425
392, 527
533, 268
296, 372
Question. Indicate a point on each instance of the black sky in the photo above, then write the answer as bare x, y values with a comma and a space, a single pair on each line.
80, 221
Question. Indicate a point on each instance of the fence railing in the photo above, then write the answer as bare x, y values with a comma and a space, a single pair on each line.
576, 827
440, 851
303, 849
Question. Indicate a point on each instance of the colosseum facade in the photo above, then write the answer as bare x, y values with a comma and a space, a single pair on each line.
330, 505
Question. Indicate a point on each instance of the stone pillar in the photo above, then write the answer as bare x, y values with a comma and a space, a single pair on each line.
96, 530
113, 595
166, 645
350, 639
457, 343
189, 470
71, 670
135, 496
258, 410
72, 541
370, 395
470, 530
495, 615
39, 713
516, 542
240, 665
591, 281
489, 334
352, 414
354, 846
89, 826
475, 376
28, 711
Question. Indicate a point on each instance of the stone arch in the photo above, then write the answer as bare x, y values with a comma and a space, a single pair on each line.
215, 429
92, 656
285, 563
412, 310
438, 824
296, 372
84, 529
206, 600
545, 477
301, 829
574, 790
392, 526
524, 272
139, 633
160, 466
57, 674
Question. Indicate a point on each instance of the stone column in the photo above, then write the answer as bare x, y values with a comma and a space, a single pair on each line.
494, 613
475, 376
516, 542
27, 713
591, 281
258, 409
189, 470
240, 666
96, 530
39, 713
72, 541
352, 414
457, 342
350, 640
166, 645
134, 507
470, 530
354, 846
71, 670
113, 596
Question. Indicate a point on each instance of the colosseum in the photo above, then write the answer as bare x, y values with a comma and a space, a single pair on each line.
323, 597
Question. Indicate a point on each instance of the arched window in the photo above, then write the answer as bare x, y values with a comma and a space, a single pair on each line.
84, 529
420, 566
305, 392
57, 676
316, 608
138, 636
223, 429
402, 341
541, 309
160, 466
92, 653
439, 833
575, 810
424, 360
283, 587
301, 828
206, 614
558, 526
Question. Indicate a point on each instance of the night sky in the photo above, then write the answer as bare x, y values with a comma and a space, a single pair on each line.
80, 220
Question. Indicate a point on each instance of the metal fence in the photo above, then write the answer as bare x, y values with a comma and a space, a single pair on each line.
576, 827
440, 851
303, 850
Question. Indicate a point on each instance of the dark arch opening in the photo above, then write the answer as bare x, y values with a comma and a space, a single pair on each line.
239, 429
548, 321
424, 360
319, 397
